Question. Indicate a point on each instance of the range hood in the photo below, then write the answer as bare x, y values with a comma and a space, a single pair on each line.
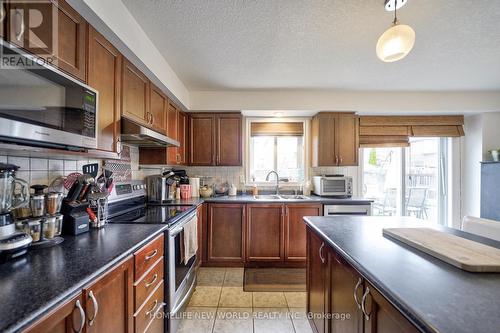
137, 135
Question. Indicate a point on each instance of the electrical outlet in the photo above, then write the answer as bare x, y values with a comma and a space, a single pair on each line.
242, 179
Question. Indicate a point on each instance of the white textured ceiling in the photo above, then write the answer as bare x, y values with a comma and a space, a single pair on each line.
323, 44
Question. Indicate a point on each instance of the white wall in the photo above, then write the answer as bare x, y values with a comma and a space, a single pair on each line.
381, 102
482, 133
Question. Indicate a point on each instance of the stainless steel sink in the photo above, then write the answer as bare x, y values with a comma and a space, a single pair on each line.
294, 197
267, 197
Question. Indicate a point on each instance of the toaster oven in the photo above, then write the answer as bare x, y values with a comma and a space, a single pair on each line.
333, 186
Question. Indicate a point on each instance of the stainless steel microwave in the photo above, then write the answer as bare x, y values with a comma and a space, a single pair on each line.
333, 186
42, 106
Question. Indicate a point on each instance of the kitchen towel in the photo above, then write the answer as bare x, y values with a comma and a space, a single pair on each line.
190, 239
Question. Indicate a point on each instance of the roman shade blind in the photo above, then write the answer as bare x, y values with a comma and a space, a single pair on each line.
395, 131
277, 129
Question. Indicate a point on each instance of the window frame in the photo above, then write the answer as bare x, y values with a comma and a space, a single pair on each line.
248, 149
444, 186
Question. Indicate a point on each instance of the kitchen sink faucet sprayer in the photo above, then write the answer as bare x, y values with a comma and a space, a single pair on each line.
277, 180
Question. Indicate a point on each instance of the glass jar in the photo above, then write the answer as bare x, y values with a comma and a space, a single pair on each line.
53, 202
37, 204
49, 227
58, 225
34, 226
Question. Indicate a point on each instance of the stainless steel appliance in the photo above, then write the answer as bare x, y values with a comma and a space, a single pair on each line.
159, 187
333, 186
12, 243
127, 204
138, 135
40, 105
347, 209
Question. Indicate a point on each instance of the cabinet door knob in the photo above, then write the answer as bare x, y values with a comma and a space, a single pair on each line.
22, 26
363, 301
321, 252
341, 159
96, 308
336, 160
82, 316
356, 293
2, 11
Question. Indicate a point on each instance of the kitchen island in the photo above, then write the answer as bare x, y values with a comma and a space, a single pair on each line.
404, 289
36, 284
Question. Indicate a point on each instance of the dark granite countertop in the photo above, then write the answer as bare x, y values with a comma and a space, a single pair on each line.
246, 198
35, 283
434, 295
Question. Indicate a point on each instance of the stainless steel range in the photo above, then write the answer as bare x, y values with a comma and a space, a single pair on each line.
127, 204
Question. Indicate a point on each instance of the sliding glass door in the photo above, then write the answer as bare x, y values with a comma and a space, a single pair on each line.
409, 181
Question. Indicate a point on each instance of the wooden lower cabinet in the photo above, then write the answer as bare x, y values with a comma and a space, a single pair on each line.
255, 234
345, 283
382, 316
109, 302
295, 229
69, 317
265, 232
337, 294
317, 283
226, 233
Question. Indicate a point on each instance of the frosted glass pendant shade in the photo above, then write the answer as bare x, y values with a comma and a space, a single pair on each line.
395, 43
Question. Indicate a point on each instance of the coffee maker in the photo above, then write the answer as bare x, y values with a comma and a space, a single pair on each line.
12, 243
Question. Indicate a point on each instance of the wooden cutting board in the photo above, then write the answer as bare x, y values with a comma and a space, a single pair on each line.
460, 252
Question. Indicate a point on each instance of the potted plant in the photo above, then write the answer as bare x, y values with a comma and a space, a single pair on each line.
495, 154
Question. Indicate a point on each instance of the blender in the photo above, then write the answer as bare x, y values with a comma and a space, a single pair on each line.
12, 243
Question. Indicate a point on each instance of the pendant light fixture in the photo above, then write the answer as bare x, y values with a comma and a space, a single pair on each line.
397, 41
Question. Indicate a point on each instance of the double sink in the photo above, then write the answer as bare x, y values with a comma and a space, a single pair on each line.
281, 197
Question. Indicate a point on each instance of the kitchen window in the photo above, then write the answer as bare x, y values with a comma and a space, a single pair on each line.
409, 181
276, 145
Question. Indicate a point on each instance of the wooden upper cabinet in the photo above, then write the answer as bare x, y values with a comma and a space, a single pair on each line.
347, 142
158, 109
295, 229
215, 139
182, 136
226, 233
335, 139
201, 139
68, 51
109, 301
172, 120
229, 138
265, 232
135, 94
69, 317
104, 75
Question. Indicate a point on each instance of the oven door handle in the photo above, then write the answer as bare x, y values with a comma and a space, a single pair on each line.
174, 232
184, 299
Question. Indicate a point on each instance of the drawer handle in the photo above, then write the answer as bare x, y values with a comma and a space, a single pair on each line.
363, 301
82, 316
152, 255
152, 308
321, 252
148, 284
96, 308
356, 293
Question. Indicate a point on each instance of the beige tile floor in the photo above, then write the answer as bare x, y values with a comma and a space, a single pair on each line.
219, 305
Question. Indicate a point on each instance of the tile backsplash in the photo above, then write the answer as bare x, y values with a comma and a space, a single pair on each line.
44, 170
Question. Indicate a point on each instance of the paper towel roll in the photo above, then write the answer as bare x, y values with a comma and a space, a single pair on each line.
195, 187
